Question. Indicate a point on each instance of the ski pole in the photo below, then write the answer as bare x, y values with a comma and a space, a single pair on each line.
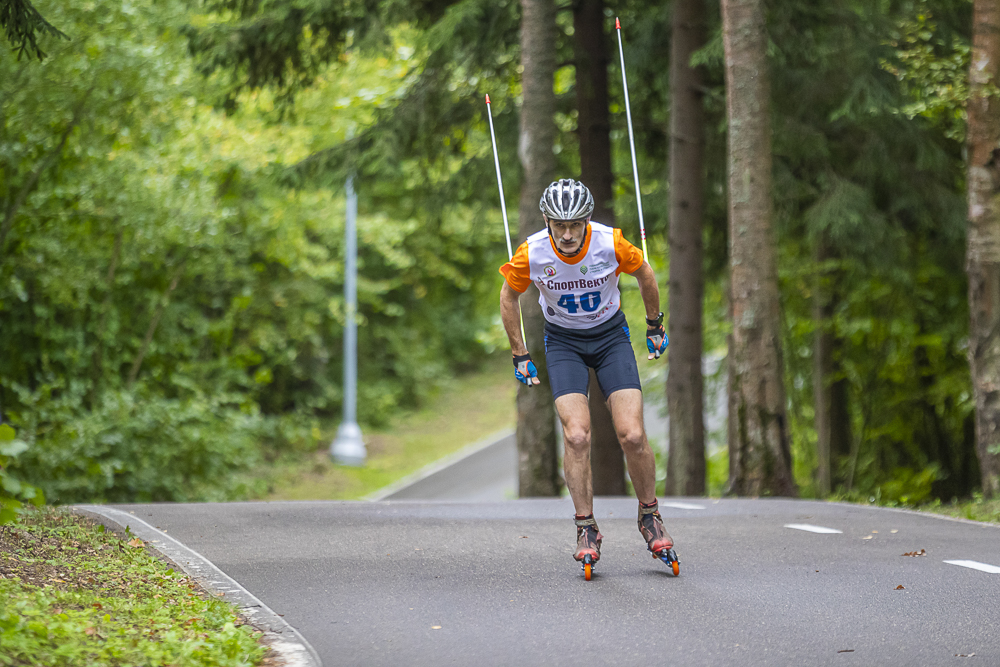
503, 203
631, 140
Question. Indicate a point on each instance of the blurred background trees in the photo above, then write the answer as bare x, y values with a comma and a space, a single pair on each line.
171, 212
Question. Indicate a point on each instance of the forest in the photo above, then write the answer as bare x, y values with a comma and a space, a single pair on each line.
172, 219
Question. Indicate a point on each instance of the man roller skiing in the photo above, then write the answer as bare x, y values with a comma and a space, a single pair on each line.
575, 263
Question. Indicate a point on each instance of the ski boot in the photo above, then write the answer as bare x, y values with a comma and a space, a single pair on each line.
658, 541
588, 543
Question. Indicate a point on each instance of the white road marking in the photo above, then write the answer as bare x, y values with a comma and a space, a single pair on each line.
812, 529
682, 506
982, 567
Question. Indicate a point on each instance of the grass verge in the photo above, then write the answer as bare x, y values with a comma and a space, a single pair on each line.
73, 593
467, 409
976, 509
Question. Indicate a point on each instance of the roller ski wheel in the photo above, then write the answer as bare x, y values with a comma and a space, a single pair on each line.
669, 556
588, 544
658, 541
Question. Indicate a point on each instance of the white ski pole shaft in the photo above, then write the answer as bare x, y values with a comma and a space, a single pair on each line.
631, 139
496, 163
503, 202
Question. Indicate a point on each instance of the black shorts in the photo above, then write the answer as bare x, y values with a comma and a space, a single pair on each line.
607, 348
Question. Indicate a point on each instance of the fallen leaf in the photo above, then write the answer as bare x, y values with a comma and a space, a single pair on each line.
97, 605
135, 542
90, 631
893, 531
874, 532
900, 588
962, 655
524, 537
867, 537
435, 627
914, 554
846, 650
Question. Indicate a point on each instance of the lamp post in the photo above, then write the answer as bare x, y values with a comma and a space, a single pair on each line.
348, 447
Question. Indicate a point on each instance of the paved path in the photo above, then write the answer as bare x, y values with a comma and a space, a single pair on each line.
439, 583
482, 474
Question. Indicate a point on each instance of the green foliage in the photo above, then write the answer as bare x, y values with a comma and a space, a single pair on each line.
172, 313
882, 196
13, 492
108, 602
170, 276
135, 448
23, 24
933, 68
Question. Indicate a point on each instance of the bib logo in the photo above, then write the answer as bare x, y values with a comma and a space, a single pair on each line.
549, 271
600, 266
583, 269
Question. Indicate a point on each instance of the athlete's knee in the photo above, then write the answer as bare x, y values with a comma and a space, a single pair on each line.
576, 438
632, 438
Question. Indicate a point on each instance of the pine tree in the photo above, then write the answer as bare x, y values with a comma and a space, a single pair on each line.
685, 401
759, 452
538, 460
594, 133
983, 250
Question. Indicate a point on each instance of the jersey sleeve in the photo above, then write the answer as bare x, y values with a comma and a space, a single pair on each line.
517, 271
629, 257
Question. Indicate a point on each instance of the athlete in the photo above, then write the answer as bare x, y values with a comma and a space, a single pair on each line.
575, 263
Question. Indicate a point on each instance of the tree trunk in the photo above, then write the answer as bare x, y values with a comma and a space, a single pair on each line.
822, 369
538, 458
762, 462
97, 368
153, 323
833, 419
841, 433
594, 131
685, 399
983, 249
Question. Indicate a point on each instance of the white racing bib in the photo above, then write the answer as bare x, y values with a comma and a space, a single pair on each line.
576, 295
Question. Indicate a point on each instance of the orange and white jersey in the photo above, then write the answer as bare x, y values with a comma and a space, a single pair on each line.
575, 292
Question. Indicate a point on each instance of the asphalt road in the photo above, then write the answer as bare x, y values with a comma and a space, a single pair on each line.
458, 583
486, 473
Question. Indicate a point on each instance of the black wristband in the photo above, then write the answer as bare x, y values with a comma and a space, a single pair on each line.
518, 358
655, 323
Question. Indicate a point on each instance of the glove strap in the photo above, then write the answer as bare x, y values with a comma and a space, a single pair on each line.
518, 358
658, 321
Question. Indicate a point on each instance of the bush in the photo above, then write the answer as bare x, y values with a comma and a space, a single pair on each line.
142, 449
13, 492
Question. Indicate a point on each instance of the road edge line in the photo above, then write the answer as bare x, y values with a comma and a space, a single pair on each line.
439, 465
904, 510
288, 642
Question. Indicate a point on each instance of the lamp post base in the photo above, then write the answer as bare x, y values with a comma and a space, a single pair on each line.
348, 448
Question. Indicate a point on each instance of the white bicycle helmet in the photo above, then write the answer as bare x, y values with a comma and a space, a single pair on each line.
566, 199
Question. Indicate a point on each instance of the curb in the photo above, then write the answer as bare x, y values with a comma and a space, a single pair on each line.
287, 642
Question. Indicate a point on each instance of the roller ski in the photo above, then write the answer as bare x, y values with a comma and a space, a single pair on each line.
588, 544
658, 541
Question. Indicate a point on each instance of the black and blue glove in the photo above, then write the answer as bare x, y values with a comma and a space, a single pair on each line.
656, 337
524, 370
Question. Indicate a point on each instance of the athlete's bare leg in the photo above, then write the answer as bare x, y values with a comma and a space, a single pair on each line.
574, 413
626, 411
